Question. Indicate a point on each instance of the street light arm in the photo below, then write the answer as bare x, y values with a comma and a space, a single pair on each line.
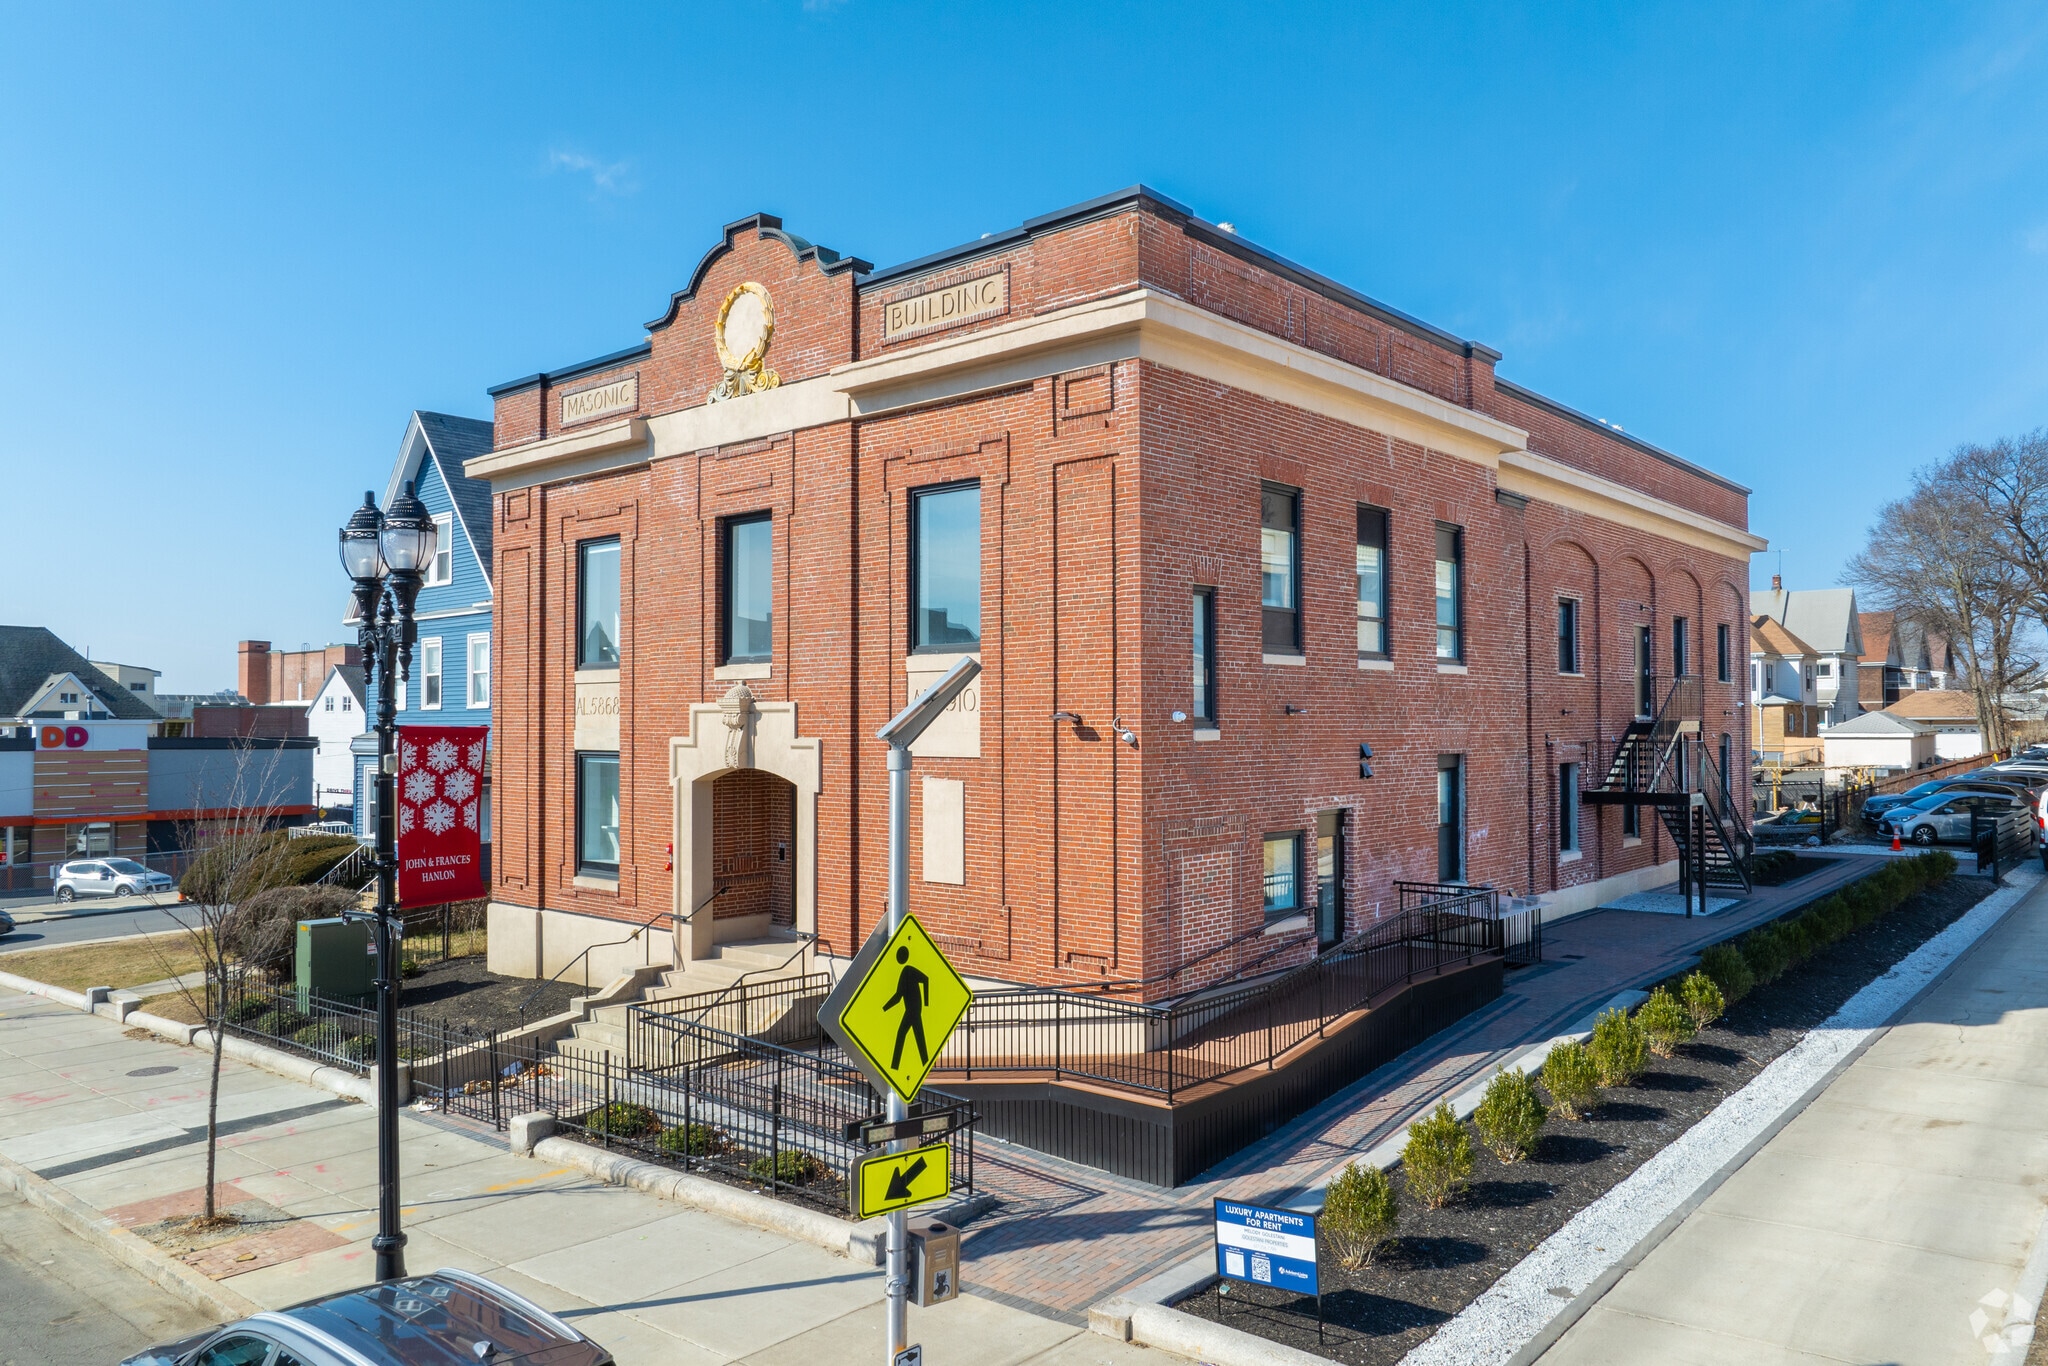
904, 728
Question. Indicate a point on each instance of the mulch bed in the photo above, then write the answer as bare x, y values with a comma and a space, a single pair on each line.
1446, 1258
461, 992
1801, 866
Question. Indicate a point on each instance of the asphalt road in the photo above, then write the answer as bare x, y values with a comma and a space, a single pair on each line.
65, 1303
95, 923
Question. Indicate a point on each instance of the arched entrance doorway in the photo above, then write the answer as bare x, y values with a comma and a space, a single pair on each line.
753, 853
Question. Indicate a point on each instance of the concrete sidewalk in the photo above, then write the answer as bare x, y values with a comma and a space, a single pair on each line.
118, 1123
1892, 1220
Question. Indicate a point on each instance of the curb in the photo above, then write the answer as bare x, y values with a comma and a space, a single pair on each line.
131, 1251
862, 1242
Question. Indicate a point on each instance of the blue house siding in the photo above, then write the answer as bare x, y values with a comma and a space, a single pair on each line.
430, 456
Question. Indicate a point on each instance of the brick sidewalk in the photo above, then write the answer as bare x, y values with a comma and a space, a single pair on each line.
1064, 1236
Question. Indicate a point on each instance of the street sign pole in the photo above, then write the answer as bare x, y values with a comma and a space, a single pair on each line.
899, 734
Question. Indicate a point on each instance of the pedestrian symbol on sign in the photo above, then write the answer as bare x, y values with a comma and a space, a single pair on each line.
913, 993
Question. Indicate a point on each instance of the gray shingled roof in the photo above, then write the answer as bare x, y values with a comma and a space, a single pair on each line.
452, 441
30, 654
1824, 618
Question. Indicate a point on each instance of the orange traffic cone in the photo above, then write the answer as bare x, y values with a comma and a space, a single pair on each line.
1896, 846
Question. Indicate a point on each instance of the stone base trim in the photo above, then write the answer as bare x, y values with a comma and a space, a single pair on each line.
1586, 895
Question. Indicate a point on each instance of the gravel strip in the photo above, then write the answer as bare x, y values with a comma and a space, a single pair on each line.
1526, 1301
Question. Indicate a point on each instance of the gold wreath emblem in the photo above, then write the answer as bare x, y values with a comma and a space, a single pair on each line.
744, 372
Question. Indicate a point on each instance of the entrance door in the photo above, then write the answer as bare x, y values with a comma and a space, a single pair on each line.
1329, 877
1450, 803
1646, 674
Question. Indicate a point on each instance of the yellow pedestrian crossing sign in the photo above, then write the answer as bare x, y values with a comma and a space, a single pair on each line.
891, 1181
896, 1007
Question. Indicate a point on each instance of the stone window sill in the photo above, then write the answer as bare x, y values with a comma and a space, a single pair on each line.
1570, 856
1631, 841
1283, 659
1204, 734
763, 669
595, 884
1383, 666
1452, 669
1288, 925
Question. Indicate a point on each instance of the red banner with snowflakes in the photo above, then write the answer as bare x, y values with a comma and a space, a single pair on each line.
440, 813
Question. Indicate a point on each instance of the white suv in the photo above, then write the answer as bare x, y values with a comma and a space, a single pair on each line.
108, 877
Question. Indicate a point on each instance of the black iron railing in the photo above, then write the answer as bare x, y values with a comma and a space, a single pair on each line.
781, 1010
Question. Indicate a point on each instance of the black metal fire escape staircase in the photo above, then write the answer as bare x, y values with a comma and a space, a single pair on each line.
1661, 763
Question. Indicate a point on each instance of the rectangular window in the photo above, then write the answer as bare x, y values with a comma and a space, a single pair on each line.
1727, 786
430, 674
1568, 635
1280, 569
597, 814
597, 605
1568, 808
330, 704
1631, 822
441, 569
1283, 875
1770, 678
345, 703
1372, 583
1721, 652
945, 568
749, 556
1450, 817
1329, 876
1826, 668
1204, 706
480, 670
1450, 624
1681, 643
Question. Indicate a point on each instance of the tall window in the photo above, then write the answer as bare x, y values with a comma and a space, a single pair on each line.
597, 814
430, 674
748, 597
597, 605
1568, 808
480, 670
1681, 647
1283, 874
1721, 652
1372, 583
1280, 569
1450, 573
1204, 707
1568, 635
441, 569
1450, 817
945, 568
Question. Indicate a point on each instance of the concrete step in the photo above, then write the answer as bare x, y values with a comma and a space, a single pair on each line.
764, 956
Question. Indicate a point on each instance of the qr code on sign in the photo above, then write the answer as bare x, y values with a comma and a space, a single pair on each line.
1262, 1268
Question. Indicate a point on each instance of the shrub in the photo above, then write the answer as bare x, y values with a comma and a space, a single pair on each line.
790, 1167
1701, 998
1617, 1048
1438, 1157
1835, 918
236, 870
1938, 863
1765, 952
1570, 1077
695, 1140
408, 967
1725, 966
280, 1023
326, 1036
622, 1119
361, 1048
262, 930
247, 1009
1509, 1117
1665, 1023
1361, 1213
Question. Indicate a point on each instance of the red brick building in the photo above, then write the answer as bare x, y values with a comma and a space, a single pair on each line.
1209, 521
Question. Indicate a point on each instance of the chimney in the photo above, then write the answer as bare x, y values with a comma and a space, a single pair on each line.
1777, 583
252, 670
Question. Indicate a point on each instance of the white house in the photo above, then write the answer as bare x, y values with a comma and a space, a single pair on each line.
1879, 741
336, 716
1950, 714
1825, 619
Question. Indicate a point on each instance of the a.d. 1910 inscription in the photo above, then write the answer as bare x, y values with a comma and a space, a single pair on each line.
938, 308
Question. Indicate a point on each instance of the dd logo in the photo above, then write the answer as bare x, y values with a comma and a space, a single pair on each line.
65, 737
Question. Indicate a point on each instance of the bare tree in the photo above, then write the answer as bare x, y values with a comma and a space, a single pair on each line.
237, 853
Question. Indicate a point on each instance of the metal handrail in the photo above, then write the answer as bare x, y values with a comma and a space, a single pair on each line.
584, 956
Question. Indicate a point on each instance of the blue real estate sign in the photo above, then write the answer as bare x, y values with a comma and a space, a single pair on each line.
1275, 1247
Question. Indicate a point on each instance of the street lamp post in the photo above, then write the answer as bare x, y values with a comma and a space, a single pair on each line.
386, 554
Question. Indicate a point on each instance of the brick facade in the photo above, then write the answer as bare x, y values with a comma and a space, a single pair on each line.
1116, 475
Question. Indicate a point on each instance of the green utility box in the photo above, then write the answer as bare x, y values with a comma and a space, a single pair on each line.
333, 958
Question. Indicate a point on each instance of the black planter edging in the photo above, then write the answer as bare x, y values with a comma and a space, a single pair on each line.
1164, 1145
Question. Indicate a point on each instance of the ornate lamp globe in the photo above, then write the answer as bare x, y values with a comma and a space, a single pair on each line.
409, 534
362, 554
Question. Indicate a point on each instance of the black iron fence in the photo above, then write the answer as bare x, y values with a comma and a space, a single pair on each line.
1216, 1035
435, 934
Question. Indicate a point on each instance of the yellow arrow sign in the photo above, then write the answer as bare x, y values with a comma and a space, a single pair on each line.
896, 1007
892, 1181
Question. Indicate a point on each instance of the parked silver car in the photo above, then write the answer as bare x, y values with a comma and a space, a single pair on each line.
1945, 817
447, 1318
108, 877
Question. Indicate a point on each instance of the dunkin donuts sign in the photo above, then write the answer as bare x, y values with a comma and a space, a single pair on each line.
440, 813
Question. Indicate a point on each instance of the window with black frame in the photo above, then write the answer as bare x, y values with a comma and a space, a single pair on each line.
1721, 652
1450, 589
1203, 706
945, 568
748, 564
1568, 635
597, 604
1372, 583
597, 814
1282, 883
1280, 569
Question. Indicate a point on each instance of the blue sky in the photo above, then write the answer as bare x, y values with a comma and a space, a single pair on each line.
1803, 244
